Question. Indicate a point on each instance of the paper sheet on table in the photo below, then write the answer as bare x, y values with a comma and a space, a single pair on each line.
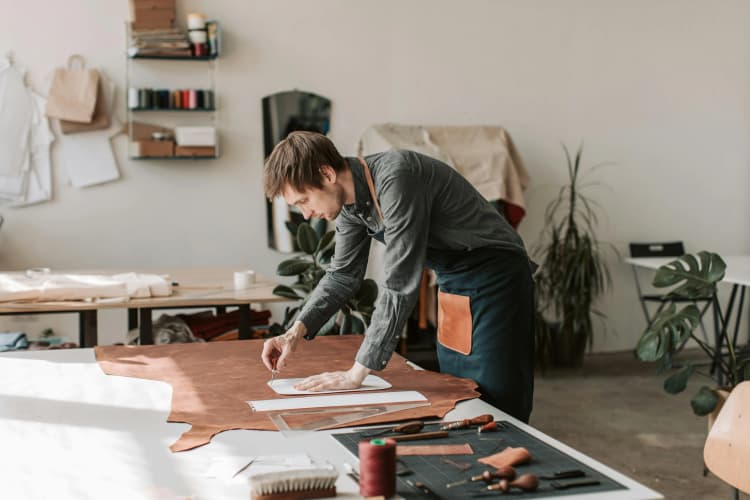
337, 400
225, 468
87, 156
285, 386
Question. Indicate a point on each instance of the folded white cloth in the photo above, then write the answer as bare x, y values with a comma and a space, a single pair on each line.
55, 287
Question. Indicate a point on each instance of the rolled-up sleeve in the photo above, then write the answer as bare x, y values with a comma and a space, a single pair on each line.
406, 211
342, 279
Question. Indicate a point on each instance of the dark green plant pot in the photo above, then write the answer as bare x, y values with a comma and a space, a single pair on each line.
566, 349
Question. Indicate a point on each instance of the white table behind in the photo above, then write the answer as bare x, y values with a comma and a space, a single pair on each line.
737, 273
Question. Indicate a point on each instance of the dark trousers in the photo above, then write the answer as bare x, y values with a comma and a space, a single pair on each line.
500, 288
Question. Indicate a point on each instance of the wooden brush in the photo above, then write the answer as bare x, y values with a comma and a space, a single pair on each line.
294, 484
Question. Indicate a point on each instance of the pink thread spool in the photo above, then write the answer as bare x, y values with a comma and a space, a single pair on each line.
377, 468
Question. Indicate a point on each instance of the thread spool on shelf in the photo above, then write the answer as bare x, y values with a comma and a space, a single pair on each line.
377, 468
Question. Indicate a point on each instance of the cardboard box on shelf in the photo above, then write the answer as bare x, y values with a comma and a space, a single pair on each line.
157, 20
144, 131
152, 14
197, 151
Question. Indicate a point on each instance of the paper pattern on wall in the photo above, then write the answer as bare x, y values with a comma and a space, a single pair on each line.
88, 157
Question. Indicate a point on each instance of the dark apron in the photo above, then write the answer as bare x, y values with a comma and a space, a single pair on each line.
485, 320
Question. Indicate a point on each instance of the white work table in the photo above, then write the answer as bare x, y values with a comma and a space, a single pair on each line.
737, 272
68, 431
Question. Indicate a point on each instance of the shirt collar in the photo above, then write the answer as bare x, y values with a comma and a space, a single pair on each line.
361, 191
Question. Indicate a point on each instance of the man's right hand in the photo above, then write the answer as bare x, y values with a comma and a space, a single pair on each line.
276, 350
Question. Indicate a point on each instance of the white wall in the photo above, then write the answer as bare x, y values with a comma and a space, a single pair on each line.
660, 88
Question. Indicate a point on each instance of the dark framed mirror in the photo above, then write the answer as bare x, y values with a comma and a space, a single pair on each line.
285, 112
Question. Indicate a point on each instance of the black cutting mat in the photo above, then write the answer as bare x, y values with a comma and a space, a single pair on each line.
436, 473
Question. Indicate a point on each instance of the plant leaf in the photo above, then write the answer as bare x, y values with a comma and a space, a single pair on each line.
677, 382
293, 267
307, 239
367, 293
329, 325
285, 291
699, 277
704, 402
358, 325
289, 315
291, 227
319, 226
668, 330
327, 240
346, 325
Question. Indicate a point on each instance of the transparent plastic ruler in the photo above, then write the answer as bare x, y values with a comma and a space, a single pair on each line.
331, 417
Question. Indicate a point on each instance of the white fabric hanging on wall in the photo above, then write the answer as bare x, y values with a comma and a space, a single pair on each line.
16, 111
39, 182
25, 139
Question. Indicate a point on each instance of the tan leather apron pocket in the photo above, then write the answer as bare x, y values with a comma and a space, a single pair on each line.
454, 322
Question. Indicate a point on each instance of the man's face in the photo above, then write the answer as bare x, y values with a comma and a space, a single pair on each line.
321, 203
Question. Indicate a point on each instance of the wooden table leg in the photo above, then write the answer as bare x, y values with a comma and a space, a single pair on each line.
244, 327
87, 325
146, 331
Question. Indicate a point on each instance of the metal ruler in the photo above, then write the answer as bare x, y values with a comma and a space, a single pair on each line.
337, 415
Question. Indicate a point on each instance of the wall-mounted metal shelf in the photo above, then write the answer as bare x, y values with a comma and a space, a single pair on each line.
205, 110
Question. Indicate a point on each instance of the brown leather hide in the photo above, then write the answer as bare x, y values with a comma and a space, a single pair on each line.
211, 382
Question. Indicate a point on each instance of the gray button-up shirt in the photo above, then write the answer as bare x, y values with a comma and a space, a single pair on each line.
428, 207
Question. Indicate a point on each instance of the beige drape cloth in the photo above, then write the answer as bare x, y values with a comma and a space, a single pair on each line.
484, 155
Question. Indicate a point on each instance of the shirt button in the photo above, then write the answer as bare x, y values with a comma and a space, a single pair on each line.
367, 203
369, 218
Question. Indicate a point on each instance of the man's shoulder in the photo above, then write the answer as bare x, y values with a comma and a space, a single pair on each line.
399, 162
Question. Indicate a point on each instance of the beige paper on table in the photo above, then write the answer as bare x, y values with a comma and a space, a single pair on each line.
337, 400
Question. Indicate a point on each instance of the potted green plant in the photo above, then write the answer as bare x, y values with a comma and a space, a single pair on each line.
693, 276
318, 246
573, 272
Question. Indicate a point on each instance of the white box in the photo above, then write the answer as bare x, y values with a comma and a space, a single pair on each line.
195, 136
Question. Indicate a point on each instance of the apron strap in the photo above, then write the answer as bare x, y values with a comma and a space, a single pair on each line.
371, 186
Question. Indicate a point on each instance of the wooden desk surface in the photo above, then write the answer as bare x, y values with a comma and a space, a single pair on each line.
196, 287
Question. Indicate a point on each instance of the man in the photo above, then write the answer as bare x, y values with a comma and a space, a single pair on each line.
427, 215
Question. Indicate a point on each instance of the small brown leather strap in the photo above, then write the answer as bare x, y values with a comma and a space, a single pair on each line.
371, 186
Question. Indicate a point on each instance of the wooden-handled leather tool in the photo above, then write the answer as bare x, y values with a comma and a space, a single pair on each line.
411, 427
468, 422
526, 482
487, 476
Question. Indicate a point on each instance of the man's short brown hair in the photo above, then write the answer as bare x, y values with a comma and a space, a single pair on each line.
296, 161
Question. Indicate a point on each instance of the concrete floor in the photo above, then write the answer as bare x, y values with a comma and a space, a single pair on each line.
615, 410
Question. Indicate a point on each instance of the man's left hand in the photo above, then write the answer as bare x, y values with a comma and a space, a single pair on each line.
331, 381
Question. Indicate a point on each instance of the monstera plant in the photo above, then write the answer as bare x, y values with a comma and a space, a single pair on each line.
309, 268
693, 276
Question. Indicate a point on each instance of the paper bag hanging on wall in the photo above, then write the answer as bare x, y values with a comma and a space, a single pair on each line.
73, 92
99, 120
